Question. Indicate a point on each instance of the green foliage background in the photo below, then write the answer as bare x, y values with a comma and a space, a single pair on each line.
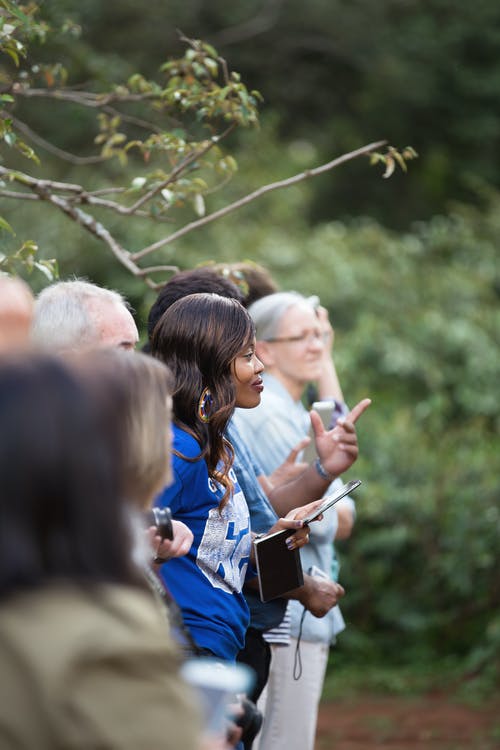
409, 269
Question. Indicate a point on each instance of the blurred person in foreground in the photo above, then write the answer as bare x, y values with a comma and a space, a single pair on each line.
140, 387
16, 313
85, 661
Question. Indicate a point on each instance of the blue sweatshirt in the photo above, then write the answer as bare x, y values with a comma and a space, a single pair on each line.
207, 582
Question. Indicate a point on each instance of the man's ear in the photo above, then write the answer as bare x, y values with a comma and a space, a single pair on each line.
264, 352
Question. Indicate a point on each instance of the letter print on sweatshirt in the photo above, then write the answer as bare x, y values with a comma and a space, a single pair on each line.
224, 549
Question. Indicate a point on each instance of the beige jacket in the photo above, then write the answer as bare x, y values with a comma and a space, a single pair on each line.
93, 672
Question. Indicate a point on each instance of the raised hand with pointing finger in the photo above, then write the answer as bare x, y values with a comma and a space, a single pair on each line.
337, 448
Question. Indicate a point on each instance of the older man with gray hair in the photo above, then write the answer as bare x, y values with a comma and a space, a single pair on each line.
77, 315
80, 315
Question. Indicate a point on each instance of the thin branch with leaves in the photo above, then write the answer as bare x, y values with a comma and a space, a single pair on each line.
180, 158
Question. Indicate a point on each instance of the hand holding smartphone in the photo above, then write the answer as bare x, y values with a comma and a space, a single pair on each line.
346, 489
325, 411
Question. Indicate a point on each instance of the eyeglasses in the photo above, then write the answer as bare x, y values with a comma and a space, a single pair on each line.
308, 337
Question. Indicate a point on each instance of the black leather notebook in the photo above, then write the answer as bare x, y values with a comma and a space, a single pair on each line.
279, 569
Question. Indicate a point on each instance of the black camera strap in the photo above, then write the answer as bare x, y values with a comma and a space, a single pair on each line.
174, 616
297, 661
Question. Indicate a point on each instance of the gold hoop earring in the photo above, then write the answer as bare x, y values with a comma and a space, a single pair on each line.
205, 404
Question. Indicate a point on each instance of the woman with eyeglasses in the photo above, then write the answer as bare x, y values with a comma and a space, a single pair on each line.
293, 339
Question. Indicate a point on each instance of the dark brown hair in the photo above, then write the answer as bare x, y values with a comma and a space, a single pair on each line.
193, 281
199, 337
62, 516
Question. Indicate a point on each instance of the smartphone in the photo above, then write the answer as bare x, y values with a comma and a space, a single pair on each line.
325, 411
346, 489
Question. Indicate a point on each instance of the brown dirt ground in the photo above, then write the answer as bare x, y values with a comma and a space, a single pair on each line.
395, 723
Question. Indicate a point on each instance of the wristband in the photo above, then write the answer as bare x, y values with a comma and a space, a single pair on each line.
324, 474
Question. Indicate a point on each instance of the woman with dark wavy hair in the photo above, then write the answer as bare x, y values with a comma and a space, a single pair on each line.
208, 343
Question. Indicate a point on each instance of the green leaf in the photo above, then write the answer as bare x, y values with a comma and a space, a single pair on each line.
28, 251
13, 54
45, 268
399, 160
6, 226
208, 48
27, 151
211, 66
199, 205
12, 8
390, 166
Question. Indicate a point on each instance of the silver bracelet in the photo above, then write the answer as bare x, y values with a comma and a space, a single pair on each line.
324, 474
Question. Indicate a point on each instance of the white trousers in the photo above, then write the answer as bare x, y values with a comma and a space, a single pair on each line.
290, 706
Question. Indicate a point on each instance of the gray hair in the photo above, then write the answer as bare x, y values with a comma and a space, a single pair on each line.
63, 318
268, 311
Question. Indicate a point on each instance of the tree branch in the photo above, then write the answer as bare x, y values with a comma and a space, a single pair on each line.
51, 148
156, 269
85, 98
137, 121
257, 194
263, 21
180, 167
73, 194
78, 194
42, 189
19, 196
99, 231
33, 182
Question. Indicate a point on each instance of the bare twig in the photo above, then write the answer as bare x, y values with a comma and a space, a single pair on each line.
32, 182
51, 148
18, 196
263, 21
138, 121
257, 194
99, 231
156, 285
107, 191
85, 98
91, 200
156, 269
